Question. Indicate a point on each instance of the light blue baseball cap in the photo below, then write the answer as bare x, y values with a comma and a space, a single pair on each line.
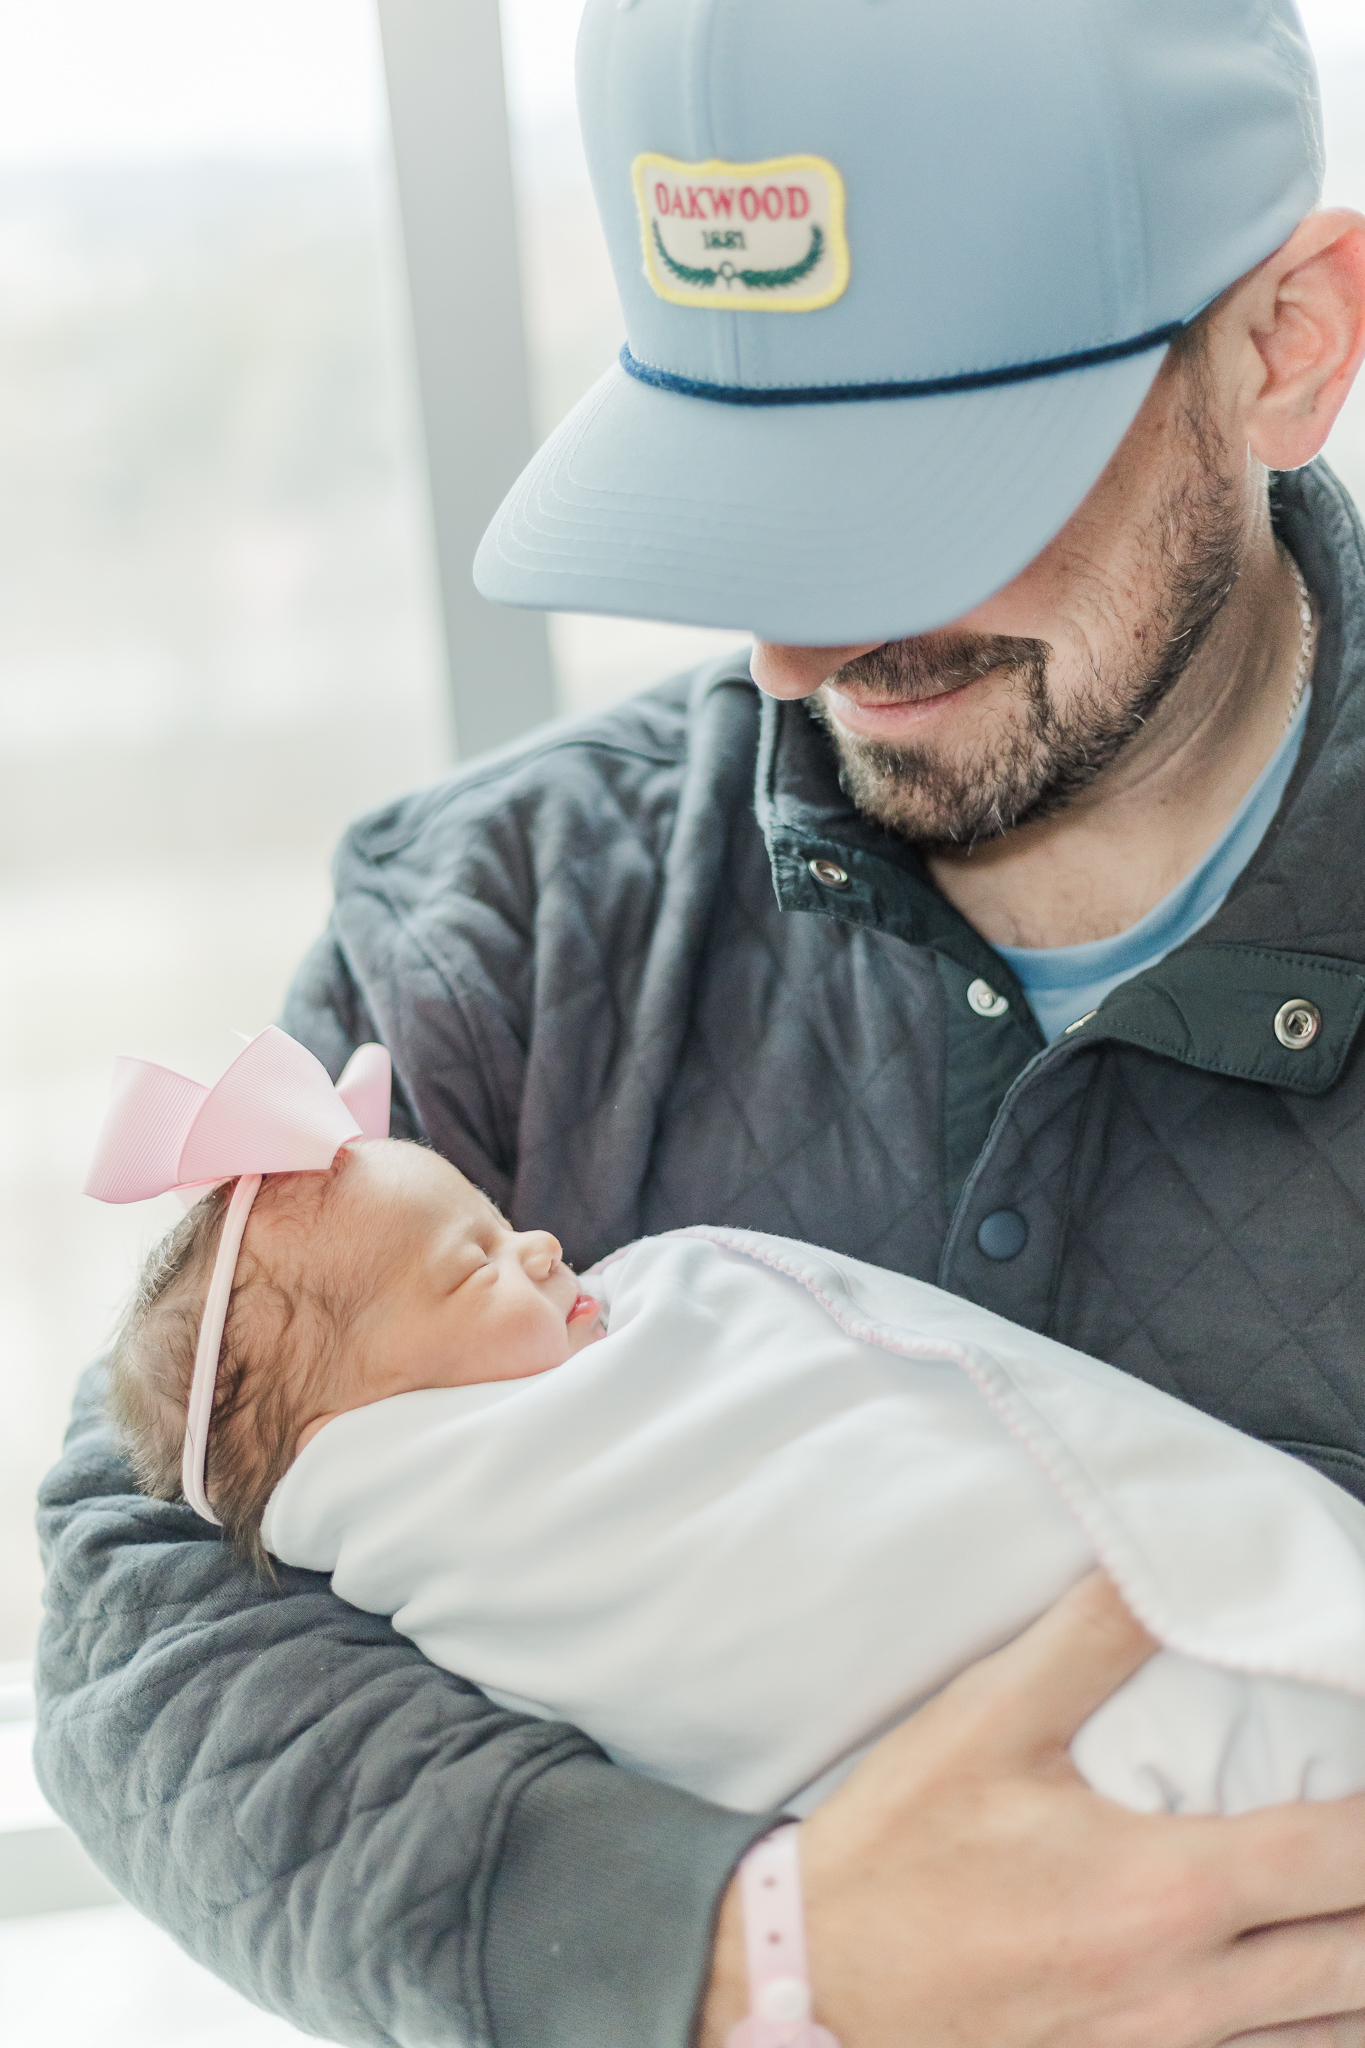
897, 277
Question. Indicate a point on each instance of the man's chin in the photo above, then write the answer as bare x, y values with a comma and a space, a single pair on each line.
911, 791
905, 777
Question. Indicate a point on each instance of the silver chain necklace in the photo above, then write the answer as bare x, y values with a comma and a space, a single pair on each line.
1307, 640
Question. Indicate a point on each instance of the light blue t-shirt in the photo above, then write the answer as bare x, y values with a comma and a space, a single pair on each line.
1063, 983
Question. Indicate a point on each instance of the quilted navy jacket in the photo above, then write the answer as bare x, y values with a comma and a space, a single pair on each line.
621, 997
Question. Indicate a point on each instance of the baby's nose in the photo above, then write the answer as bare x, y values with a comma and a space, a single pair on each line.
541, 1254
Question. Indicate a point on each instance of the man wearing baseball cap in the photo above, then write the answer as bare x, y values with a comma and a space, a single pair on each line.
977, 361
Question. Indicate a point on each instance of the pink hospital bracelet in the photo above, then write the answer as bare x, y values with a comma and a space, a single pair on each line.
775, 1949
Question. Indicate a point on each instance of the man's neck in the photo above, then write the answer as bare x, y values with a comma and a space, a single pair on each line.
1097, 867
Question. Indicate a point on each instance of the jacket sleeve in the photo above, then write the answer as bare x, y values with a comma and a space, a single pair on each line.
355, 1839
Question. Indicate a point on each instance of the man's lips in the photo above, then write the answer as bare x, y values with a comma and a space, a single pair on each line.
584, 1306
879, 717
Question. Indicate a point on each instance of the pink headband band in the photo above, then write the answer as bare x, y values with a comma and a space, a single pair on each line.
275, 1110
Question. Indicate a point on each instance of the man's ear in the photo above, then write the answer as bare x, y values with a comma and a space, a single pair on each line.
1306, 328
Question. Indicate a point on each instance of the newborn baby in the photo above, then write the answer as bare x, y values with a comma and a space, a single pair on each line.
385, 1274
735, 1506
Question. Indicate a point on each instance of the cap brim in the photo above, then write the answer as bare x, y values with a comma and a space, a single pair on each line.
816, 525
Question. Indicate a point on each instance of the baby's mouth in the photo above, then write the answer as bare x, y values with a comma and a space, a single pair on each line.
585, 1306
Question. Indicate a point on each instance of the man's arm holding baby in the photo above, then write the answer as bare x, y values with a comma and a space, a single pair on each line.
355, 1839
366, 1845
966, 1885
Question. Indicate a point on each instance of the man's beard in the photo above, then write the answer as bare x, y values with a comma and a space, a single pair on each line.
1042, 756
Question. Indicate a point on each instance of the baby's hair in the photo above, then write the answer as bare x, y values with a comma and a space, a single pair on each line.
281, 1345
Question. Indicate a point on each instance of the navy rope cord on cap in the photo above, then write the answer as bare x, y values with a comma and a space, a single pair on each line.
928, 387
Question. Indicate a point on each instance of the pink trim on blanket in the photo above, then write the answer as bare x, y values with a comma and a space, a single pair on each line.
1060, 1466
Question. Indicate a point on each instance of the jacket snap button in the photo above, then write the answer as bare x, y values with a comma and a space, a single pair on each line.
1003, 1235
985, 1001
1297, 1023
829, 874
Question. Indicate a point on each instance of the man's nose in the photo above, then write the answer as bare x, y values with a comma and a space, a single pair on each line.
540, 1253
799, 671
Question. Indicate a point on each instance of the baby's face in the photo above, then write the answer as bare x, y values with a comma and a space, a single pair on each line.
454, 1295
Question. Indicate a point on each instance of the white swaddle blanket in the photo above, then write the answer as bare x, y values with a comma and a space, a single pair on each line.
789, 1495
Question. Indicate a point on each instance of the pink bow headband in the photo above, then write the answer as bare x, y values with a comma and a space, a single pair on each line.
275, 1110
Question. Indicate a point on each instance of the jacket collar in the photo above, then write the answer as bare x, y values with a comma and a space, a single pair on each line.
1293, 927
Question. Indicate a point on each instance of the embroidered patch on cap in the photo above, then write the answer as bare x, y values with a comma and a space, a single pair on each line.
752, 238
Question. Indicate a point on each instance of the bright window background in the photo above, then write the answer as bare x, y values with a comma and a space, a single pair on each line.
217, 632
219, 635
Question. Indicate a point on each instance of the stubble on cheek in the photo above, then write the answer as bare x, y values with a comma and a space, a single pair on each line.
1036, 745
